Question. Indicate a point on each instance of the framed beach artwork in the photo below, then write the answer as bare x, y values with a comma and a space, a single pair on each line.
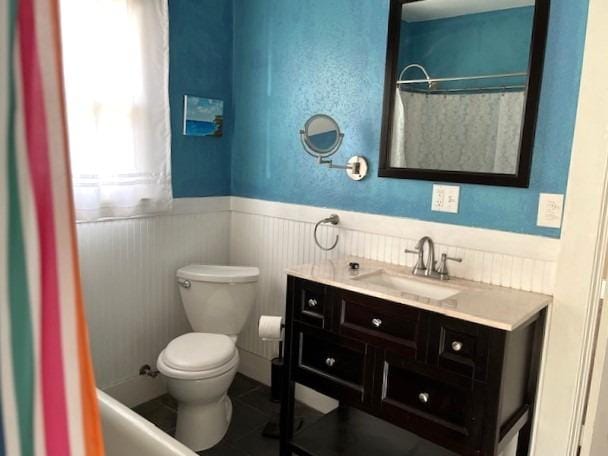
203, 116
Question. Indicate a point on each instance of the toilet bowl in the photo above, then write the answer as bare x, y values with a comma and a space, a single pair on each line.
200, 366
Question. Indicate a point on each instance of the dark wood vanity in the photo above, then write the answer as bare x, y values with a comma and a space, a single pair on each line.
409, 380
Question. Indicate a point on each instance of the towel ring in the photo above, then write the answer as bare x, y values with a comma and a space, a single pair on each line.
334, 219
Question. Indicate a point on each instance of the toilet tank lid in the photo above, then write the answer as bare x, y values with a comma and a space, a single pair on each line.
219, 274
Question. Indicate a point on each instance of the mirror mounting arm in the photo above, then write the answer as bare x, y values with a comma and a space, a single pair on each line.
330, 164
356, 168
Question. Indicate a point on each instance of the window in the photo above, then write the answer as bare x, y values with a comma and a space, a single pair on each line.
116, 69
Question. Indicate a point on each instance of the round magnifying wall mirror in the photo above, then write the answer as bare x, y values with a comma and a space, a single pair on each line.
322, 136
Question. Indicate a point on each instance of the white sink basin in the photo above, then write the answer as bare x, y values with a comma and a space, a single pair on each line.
406, 285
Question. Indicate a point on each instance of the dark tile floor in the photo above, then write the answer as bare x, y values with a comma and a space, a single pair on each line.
252, 409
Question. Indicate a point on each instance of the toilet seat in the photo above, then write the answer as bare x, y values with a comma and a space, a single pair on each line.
195, 356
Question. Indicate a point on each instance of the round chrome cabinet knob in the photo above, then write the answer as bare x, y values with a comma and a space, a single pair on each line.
377, 322
457, 346
312, 303
330, 362
423, 397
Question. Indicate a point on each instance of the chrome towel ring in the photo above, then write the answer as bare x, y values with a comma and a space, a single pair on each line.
334, 219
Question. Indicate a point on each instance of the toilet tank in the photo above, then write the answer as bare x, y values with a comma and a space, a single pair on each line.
217, 299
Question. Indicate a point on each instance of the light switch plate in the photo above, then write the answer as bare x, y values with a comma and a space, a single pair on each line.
550, 209
446, 198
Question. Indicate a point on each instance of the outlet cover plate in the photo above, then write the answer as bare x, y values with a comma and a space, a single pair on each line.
446, 198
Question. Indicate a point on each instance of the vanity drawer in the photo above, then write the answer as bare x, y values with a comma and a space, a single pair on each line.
415, 397
459, 347
311, 303
341, 368
382, 323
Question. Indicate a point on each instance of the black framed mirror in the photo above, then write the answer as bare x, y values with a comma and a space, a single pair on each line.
462, 90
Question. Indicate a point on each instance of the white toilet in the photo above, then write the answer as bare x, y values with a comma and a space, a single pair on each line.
201, 365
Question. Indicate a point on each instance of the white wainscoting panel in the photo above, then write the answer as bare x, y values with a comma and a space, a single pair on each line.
273, 236
128, 271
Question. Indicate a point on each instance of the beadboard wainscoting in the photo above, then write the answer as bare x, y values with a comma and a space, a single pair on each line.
132, 303
274, 235
133, 307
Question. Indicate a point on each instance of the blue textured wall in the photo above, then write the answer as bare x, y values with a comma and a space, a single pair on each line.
295, 58
200, 45
486, 43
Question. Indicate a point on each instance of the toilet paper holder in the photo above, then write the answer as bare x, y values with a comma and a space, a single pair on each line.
267, 328
276, 369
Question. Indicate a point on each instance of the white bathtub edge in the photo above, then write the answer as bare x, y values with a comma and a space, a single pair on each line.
137, 390
126, 433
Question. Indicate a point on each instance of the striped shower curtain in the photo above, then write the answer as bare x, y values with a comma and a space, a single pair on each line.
48, 404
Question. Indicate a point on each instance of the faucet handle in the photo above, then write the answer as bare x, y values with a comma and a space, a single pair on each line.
442, 270
420, 266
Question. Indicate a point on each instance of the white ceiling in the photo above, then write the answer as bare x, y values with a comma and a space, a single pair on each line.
427, 10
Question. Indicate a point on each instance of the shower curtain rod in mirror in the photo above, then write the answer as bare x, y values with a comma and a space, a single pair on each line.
462, 78
475, 90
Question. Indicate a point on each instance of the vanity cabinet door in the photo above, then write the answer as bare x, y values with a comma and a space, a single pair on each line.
459, 347
311, 303
341, 368
440, 409
382, 323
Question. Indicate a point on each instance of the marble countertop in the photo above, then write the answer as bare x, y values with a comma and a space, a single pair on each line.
489, 305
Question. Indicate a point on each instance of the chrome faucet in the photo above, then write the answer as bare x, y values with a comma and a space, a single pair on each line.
420, 267
429, 268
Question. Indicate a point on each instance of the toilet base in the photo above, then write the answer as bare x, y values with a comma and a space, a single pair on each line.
201, 427
204, 409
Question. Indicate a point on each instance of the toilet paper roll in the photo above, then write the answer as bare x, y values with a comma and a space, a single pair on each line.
270, 327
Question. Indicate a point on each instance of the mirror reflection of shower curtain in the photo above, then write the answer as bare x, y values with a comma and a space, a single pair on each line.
458, 132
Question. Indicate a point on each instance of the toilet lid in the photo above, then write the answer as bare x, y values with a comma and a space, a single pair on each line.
198, 352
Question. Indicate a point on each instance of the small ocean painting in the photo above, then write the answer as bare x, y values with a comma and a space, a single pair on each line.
203, 116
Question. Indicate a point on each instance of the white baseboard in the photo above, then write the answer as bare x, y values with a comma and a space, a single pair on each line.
317, 401
254, 366
137, 390
258, 368
140, 389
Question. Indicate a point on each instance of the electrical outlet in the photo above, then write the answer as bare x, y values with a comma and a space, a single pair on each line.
446, 198
550, 209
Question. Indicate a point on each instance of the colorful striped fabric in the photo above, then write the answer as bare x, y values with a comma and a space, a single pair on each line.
48, 404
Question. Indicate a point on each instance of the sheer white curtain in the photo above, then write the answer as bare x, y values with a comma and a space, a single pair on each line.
116, 67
